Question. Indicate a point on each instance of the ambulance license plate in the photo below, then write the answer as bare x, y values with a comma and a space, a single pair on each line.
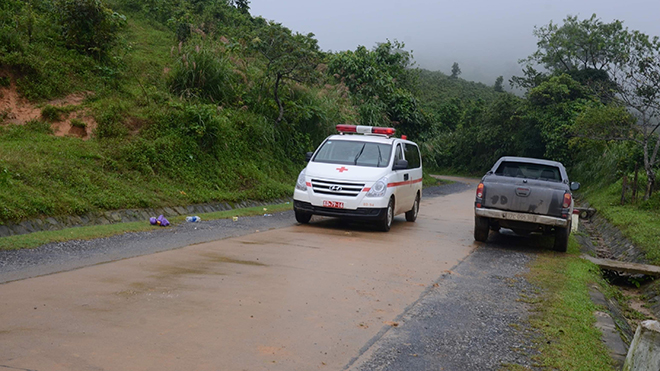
333, 204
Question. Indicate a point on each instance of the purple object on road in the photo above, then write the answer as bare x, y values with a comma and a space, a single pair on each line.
163, 222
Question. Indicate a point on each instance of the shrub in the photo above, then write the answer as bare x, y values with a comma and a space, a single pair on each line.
51, 113
89, 26
38, 126
111, 122
78, 124
203, 73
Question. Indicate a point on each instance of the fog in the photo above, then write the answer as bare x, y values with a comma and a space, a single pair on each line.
486, 38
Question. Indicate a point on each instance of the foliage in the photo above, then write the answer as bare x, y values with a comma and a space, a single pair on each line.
89, 26
203, 71
289, 56
382, 83
498, 84
455, 70
578, 44
564, 313
621, 67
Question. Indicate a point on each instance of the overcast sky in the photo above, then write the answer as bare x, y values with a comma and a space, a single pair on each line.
485, 37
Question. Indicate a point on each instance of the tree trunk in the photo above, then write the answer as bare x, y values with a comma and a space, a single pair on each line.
650, 183
634, 191
624, 188
277, 98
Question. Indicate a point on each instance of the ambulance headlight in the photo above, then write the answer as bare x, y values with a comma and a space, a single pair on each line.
379, 188
301, 184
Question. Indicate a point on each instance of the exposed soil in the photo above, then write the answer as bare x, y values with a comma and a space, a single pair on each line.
18, 111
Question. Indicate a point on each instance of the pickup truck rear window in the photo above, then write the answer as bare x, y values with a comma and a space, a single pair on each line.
354, 153
529, 171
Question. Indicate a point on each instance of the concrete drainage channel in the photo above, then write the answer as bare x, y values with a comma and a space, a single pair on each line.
633, 346
122, 216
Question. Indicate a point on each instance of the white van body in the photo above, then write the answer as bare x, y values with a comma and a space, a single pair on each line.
356, 176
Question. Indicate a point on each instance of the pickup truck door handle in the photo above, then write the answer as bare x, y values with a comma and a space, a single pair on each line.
405, 176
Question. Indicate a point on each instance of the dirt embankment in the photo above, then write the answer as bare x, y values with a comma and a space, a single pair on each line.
17, 110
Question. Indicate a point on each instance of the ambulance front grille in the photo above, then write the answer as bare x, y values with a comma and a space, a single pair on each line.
336, 188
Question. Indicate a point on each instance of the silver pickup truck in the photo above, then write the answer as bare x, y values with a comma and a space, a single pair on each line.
525, 195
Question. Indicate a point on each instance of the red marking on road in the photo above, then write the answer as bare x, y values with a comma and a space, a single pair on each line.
342, 169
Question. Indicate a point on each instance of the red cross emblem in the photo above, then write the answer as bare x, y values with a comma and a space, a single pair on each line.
342, 169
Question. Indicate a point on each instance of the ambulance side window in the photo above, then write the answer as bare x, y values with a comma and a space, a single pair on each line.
398, 153
412, 155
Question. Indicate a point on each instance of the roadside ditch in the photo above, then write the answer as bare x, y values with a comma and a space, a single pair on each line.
627, 299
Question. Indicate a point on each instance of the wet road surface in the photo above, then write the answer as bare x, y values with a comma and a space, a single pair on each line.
328, 295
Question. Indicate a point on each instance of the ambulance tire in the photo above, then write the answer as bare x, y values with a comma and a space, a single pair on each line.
411, 215
385, 224
302, 217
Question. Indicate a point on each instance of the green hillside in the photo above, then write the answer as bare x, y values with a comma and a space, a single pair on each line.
178, 106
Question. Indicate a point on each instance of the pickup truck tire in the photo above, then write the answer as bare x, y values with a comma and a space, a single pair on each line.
411, 215
302, 217
385, 224
481, 228
561, 238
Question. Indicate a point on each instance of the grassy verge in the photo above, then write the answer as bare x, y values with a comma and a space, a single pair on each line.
32, 240
565, 312
640, 222
430, 181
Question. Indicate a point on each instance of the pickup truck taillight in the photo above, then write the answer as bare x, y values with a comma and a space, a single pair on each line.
567, 201
480, 190
480, 194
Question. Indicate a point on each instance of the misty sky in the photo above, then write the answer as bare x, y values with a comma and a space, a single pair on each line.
486, 37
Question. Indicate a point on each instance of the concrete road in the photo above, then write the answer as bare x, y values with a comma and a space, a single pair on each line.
297, 298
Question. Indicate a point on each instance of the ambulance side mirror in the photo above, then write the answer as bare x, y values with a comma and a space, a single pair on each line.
400, 165
308, 156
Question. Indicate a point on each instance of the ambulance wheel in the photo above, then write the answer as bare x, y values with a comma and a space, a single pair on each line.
385, 224
411, 215
302, 217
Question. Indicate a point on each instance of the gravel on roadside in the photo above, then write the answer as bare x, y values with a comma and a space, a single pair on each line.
473, 319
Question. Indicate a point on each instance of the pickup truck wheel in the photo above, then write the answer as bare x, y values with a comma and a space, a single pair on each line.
302, 217
561, 238
481, 228
385, 224
411, 215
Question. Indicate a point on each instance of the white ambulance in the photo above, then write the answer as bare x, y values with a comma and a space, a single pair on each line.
366, 175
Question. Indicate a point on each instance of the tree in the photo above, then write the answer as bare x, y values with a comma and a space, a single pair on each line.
584, 49
621, 66
578, 45
455, 70
242, 5
381, 84
289, 56
498, 84
90, 26
635, 116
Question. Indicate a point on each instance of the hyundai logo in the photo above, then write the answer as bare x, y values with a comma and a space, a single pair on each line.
335, 188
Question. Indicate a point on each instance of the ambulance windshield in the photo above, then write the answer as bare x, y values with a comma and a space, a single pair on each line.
354, 153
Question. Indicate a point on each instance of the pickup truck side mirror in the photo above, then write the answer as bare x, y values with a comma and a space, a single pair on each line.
575, 186
400, 165
308, 156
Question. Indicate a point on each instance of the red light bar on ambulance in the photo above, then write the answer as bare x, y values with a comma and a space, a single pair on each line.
365, 129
